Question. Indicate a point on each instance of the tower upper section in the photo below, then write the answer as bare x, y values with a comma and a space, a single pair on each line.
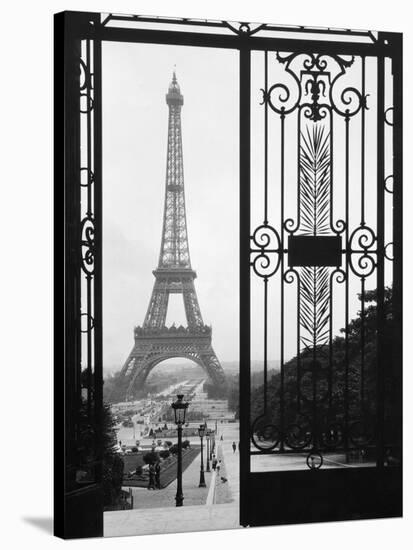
174, 253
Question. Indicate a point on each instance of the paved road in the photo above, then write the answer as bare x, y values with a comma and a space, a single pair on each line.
165, 498
156, 513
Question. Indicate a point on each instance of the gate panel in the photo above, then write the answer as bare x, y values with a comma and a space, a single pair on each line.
324, 301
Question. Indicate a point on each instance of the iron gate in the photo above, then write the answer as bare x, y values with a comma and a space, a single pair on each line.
324, 281
320, 222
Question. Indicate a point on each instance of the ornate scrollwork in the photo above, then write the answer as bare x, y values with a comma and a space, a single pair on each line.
332, 434
339, 275
299, 434
85, 76
314, 460
315, 76
387, 119
87, 322
88, 245
389, 251
389, 187
86, 103
89, 176
267, 251
361, 258
361, 432
265, 435
351, 99
244, 29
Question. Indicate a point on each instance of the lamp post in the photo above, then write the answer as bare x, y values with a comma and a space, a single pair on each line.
179, 408
208, 439
201, 433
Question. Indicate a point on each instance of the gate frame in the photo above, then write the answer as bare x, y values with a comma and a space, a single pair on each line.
335, 494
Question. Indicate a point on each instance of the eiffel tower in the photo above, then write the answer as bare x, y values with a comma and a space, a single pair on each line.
154, 341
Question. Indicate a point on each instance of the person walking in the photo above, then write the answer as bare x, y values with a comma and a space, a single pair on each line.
157, 475
234, 446
214, 462
151, 477
218, 466
222, 437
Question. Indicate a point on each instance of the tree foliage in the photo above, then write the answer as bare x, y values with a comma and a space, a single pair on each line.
315, 367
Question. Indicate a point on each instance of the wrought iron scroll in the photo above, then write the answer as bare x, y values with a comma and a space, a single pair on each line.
313, 92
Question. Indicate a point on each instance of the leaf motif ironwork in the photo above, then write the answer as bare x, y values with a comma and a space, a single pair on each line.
315, 180
314, 306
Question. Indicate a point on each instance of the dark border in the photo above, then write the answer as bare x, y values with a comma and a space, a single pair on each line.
260, 500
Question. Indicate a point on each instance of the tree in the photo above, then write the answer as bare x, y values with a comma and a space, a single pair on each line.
360, 328
151, 457
113, 466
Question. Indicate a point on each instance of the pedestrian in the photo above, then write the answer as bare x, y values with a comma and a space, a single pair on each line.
222, 437
158, 475
234, 446
214, 462
218, 466
151, 477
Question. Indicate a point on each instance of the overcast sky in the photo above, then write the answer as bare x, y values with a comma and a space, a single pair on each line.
135, 124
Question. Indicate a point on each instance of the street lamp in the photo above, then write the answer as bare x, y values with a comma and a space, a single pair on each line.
201, 432
208, 439
179, 408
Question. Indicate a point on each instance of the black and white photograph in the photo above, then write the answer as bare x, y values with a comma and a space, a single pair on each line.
206, 259
233, 276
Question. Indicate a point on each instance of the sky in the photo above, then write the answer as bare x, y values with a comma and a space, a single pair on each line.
135, 117
135, 123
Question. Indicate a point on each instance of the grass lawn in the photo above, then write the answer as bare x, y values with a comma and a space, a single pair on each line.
168, 471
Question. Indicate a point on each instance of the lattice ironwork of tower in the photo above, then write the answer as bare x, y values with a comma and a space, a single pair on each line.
154, 341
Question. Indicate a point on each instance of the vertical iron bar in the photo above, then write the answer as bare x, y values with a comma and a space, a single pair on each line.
330, 347
346, 355
363, 137
266, 139
282, 428
89, 211
245, 290
380, 262
265, 342
98, 291
265, 223
330, 336
362, 223
397, 234
362, 343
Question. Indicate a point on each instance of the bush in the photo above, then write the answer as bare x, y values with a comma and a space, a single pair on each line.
174, 449
150, 458
138, 470
169, 443
186, 444
164, 454
134, 449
